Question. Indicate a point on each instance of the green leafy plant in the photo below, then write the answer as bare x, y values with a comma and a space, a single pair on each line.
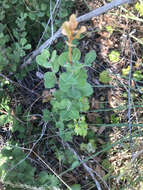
139, 8
69, 102
22, 24
8, 169
115, 119
104, 77
90, 146
16, 171
110, 29
125, 71
114, 56
81, 126
71, 97
138, 75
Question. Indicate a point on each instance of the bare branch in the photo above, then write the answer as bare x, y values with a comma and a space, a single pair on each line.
86, 17
88, 169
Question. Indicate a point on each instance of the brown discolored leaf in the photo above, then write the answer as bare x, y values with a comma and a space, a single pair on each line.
69, 28
73, 22
66, 29
46, 96
80, 31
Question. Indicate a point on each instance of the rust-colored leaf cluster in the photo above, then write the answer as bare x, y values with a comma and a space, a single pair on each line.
69, 30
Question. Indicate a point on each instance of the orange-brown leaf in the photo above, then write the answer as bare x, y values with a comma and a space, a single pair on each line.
80, 31
66, 29
73, 22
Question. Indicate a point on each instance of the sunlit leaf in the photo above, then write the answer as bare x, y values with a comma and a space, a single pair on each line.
49, 80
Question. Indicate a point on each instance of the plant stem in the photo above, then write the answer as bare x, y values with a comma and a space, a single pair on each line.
70, 42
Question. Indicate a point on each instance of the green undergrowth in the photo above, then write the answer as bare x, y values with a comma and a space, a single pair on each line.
22, 24
71, 97
36, 140
69, 104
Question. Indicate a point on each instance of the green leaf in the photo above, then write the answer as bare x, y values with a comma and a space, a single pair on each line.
81, 127
3, 119
42, 59
125, 71
60, 124
91, 146
46, 115
43, 177
75, 164
110, 29
67, 115
76, 54
104, 77
66, 81
14, 1
55, 66
64, 115
59, 95
28, 46
49, 80
89, 58
32, 15
53, 56
63, 59
84, 104
73, 114
43, 6
23, 41
81, 77
139, 8
138, 75
114, 56
63, 13
65, 103
86, 90
74, 93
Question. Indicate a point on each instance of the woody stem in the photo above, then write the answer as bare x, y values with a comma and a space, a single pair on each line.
70, 42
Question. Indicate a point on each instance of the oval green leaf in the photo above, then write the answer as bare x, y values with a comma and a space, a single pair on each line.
89, 58
49, 80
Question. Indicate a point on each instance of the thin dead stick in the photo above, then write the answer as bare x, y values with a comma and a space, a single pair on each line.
31, 150
21, 186
17, 84
86, 17
89, 170
52, 170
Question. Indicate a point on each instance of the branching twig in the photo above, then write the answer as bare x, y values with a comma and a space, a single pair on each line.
86, 17
52, 170
17, 84
22, 186
50, 19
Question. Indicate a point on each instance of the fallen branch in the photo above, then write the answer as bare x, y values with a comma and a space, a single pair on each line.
88, 169
86, 17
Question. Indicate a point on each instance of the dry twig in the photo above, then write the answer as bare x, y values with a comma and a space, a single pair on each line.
88, 169
86, 17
